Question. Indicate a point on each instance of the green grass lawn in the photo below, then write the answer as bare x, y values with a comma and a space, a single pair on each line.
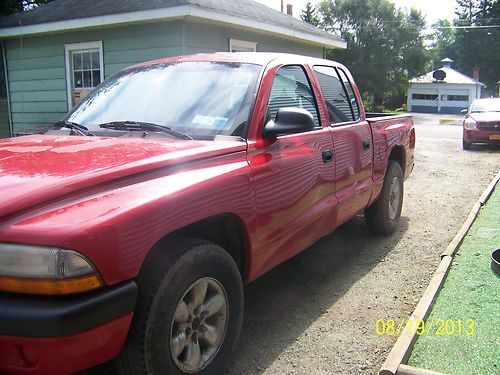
470, 293
445, 121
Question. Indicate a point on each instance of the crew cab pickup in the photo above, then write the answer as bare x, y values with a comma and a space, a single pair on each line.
128, 231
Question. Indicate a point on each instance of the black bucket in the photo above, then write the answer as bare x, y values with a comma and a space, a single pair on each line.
495, 261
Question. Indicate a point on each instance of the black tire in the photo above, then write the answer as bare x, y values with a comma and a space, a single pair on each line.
166, 277
382, 217
466, 145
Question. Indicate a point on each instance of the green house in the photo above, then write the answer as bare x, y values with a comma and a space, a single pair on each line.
53, 55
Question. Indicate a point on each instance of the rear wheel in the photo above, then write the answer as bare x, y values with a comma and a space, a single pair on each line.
189, 312
382, 217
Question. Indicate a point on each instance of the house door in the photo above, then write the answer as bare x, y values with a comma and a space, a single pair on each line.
4, 106
84, 70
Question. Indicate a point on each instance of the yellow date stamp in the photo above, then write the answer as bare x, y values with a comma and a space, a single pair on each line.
438, 327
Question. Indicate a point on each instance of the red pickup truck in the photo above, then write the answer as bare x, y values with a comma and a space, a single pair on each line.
129, 230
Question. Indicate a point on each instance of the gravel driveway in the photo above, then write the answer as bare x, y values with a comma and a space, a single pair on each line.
316, 313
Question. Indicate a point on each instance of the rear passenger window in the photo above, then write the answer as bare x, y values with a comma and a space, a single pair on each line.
291, 89
350, 92
336, 97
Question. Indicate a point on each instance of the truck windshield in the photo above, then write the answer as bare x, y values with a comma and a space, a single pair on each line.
200, 99
486, 105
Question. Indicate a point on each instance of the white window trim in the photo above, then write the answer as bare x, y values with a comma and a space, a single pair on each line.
236, 43
68, 48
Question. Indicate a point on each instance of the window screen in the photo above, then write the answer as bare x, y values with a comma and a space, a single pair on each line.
291, 89
337, 100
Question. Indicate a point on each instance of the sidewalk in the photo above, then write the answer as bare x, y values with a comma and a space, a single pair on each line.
461, 334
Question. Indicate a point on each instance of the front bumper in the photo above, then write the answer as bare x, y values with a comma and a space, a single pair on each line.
481, 136
61, 335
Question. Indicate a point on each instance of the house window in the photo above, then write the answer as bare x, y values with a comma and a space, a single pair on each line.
455, 98
84, 70
236, 45
424, 96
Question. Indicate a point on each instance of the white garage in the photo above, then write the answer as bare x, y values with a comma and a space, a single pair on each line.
443, 90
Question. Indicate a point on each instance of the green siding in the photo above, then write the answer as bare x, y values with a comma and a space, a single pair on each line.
205, 37
31, 74
135, 55
37, 73
4, 118
34, 118
31, 51
36, 65
4, 103
38, 96
39, 107
36, 85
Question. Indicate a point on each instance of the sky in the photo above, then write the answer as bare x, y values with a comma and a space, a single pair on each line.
432, 9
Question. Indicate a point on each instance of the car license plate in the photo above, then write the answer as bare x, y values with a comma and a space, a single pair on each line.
495, 137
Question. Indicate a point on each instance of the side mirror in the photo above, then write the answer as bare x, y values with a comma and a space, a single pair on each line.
463, 111
289, 120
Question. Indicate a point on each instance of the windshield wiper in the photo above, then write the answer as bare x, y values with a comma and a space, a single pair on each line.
77, 128
144, 126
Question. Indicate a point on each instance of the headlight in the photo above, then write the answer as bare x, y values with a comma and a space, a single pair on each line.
469, 123
45, 270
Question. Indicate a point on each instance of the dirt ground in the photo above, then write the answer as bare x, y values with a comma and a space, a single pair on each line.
316, 313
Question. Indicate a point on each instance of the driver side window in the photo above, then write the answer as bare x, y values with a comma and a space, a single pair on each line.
291, 89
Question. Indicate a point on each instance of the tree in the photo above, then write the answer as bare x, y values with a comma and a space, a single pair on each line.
441, 43
13, 6
309, 14
477, 39
385, 45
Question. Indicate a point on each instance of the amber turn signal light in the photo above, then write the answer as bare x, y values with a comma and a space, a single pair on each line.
48, 286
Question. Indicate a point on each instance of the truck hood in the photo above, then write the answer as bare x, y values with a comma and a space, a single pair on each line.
38, 169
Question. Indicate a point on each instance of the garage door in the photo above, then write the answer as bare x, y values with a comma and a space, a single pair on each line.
425, 100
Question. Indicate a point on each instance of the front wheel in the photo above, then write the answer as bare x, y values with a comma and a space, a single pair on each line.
466, 145
382, 217
189, 312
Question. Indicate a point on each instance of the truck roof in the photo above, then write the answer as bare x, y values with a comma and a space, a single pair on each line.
258, 58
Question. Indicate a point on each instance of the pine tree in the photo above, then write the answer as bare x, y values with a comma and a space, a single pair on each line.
309, 14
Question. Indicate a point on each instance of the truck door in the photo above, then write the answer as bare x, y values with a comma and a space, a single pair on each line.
352, 142
293, 177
